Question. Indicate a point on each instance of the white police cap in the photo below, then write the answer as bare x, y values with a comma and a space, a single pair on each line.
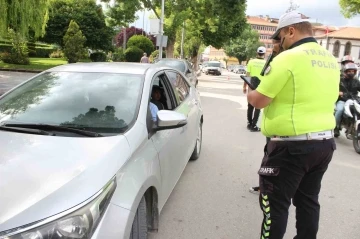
288, 19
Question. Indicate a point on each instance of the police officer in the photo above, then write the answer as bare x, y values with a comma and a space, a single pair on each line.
254, 68
299, 124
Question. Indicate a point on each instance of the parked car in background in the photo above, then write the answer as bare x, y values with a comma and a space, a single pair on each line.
181, 65
213, 68
83, 156
240, 69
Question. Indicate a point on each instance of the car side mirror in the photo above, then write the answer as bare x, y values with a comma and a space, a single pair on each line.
167, 119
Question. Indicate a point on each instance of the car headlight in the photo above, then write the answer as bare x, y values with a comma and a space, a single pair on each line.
79, 222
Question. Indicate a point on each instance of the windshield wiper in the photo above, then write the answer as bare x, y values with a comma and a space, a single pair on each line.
22, 130
55, 128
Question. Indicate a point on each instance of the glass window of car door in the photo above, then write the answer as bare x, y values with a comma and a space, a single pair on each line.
180, 86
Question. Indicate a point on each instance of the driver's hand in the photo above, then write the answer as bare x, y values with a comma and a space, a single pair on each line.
341, 93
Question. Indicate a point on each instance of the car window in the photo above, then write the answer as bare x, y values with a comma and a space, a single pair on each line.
214, 64
180, 86
104, 102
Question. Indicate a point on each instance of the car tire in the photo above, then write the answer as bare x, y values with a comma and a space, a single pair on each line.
197, 150
206, 73
139, 228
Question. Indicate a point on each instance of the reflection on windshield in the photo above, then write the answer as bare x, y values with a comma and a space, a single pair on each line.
178, 65
94, 100
103, 119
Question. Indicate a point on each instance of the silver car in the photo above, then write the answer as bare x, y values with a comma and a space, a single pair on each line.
82, 155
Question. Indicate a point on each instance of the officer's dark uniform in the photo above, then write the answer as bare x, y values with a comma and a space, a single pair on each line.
299, 125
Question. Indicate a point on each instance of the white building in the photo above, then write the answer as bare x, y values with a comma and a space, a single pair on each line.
341, 42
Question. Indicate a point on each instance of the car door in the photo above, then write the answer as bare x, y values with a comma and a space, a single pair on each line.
169, 143
187, 105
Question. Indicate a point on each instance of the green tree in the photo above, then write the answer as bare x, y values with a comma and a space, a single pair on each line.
121, 13
21, 16
216, 21
141, 42
221, 20
244, 47
87, 14
349, 8
74, 42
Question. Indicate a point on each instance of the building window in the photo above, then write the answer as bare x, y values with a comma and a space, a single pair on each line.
336, 49
347, 49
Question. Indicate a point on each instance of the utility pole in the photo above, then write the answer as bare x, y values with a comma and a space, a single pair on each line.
182, 41
161, 28
142, 32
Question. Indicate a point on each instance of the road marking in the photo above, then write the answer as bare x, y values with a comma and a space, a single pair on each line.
238, 99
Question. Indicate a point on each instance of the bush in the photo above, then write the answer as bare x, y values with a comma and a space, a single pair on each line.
74, 42
155, 54
118, 55
31, 48
98, 57
14, 58
57, 54
19, 52
5, 47
43, 52
133, 54
141, 42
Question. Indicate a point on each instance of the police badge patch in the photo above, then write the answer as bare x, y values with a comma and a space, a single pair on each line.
267, 70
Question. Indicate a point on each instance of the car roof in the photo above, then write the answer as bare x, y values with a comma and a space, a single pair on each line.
108, 67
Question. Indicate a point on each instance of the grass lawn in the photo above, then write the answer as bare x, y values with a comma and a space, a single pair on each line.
39, 64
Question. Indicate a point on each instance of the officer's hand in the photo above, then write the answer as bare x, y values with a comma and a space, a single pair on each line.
341, 93
276, 48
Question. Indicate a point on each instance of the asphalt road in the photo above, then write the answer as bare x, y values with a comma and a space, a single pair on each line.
211, 199
10, 79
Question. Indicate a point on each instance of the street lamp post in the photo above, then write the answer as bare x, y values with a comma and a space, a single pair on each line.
161, 28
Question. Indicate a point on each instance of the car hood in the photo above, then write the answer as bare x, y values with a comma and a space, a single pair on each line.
41, 176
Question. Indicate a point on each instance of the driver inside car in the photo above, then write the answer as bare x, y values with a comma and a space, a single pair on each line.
349, 88
156, 97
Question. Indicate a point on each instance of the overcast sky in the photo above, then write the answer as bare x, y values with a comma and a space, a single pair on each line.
326, 12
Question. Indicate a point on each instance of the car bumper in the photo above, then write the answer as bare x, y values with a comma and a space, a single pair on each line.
115, 224
213, 71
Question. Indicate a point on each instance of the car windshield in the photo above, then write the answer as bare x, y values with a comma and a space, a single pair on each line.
214, 64
178, 65
102, 102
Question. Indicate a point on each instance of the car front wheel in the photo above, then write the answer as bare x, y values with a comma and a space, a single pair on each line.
139, 228
197, 150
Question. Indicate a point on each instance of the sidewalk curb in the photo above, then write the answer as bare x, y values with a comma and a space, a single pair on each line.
21, 70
